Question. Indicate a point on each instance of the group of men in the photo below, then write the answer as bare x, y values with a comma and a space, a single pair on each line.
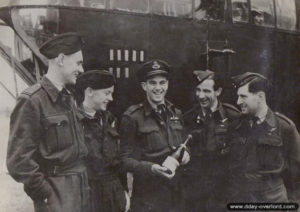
73, 156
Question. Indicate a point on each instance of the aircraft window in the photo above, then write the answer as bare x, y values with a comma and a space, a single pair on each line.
7, 39
286, 14
139, 6
209, 9
176, 8
14, 47
36, 25
24, 55
262, 12
240, 11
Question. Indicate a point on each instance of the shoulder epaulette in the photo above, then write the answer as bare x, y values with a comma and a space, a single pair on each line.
177, 111
32, 89
283, 117
133, 108
231, 107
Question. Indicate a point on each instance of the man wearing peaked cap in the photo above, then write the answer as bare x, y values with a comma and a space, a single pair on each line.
152, 68
266, 166
209, 121
95, 89
150, 132
46, 146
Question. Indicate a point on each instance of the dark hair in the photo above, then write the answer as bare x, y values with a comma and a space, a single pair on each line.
217, 78
259, 84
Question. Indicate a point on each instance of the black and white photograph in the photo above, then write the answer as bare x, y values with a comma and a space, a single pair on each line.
149, 105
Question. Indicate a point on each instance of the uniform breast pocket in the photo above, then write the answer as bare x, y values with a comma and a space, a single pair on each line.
270, 153
151, 139
58, 132
220, 134
177, 133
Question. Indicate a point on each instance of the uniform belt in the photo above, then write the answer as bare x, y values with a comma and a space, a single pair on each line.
68, 169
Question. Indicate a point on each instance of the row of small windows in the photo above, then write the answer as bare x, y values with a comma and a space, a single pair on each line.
258, 12
263, 12
271, 13
177, 8
126, 55
119, 72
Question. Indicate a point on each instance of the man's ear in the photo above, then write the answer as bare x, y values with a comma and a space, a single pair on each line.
143, 84
219, 91
60, 59
89, 91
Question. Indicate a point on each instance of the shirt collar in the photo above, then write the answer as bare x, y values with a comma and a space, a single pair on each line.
50, 88
270, 118
84, 115
217, 110
148, 109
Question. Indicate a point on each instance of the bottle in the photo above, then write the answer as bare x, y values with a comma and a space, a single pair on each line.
174, 160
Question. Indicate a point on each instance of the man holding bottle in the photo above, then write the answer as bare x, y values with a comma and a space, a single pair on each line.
152, 135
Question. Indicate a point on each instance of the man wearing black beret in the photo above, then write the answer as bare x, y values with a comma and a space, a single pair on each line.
94, 91
46, 144
266, 164
209, 120
150, 133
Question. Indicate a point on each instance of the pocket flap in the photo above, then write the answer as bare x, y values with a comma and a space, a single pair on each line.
220, 130
176, 126
270, 140
54, 120
149, 129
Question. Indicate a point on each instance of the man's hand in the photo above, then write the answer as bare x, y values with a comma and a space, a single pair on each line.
186, 158
162, 171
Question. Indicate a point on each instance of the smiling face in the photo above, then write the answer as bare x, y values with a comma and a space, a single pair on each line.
156, 89
248, 102
101, 98
71, 67
206, 94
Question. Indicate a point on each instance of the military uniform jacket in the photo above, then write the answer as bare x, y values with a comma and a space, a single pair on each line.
45, 140
103, 162
267, 156
209, 146
102, 140
147, 139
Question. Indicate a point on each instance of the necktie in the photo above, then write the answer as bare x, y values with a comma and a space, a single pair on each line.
162, 111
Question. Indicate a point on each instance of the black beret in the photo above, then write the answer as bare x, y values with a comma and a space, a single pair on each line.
245, 78
67, 43
203, 75
95, 79
153, 68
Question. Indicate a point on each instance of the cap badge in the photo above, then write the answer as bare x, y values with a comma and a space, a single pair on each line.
155, 65
199, 78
